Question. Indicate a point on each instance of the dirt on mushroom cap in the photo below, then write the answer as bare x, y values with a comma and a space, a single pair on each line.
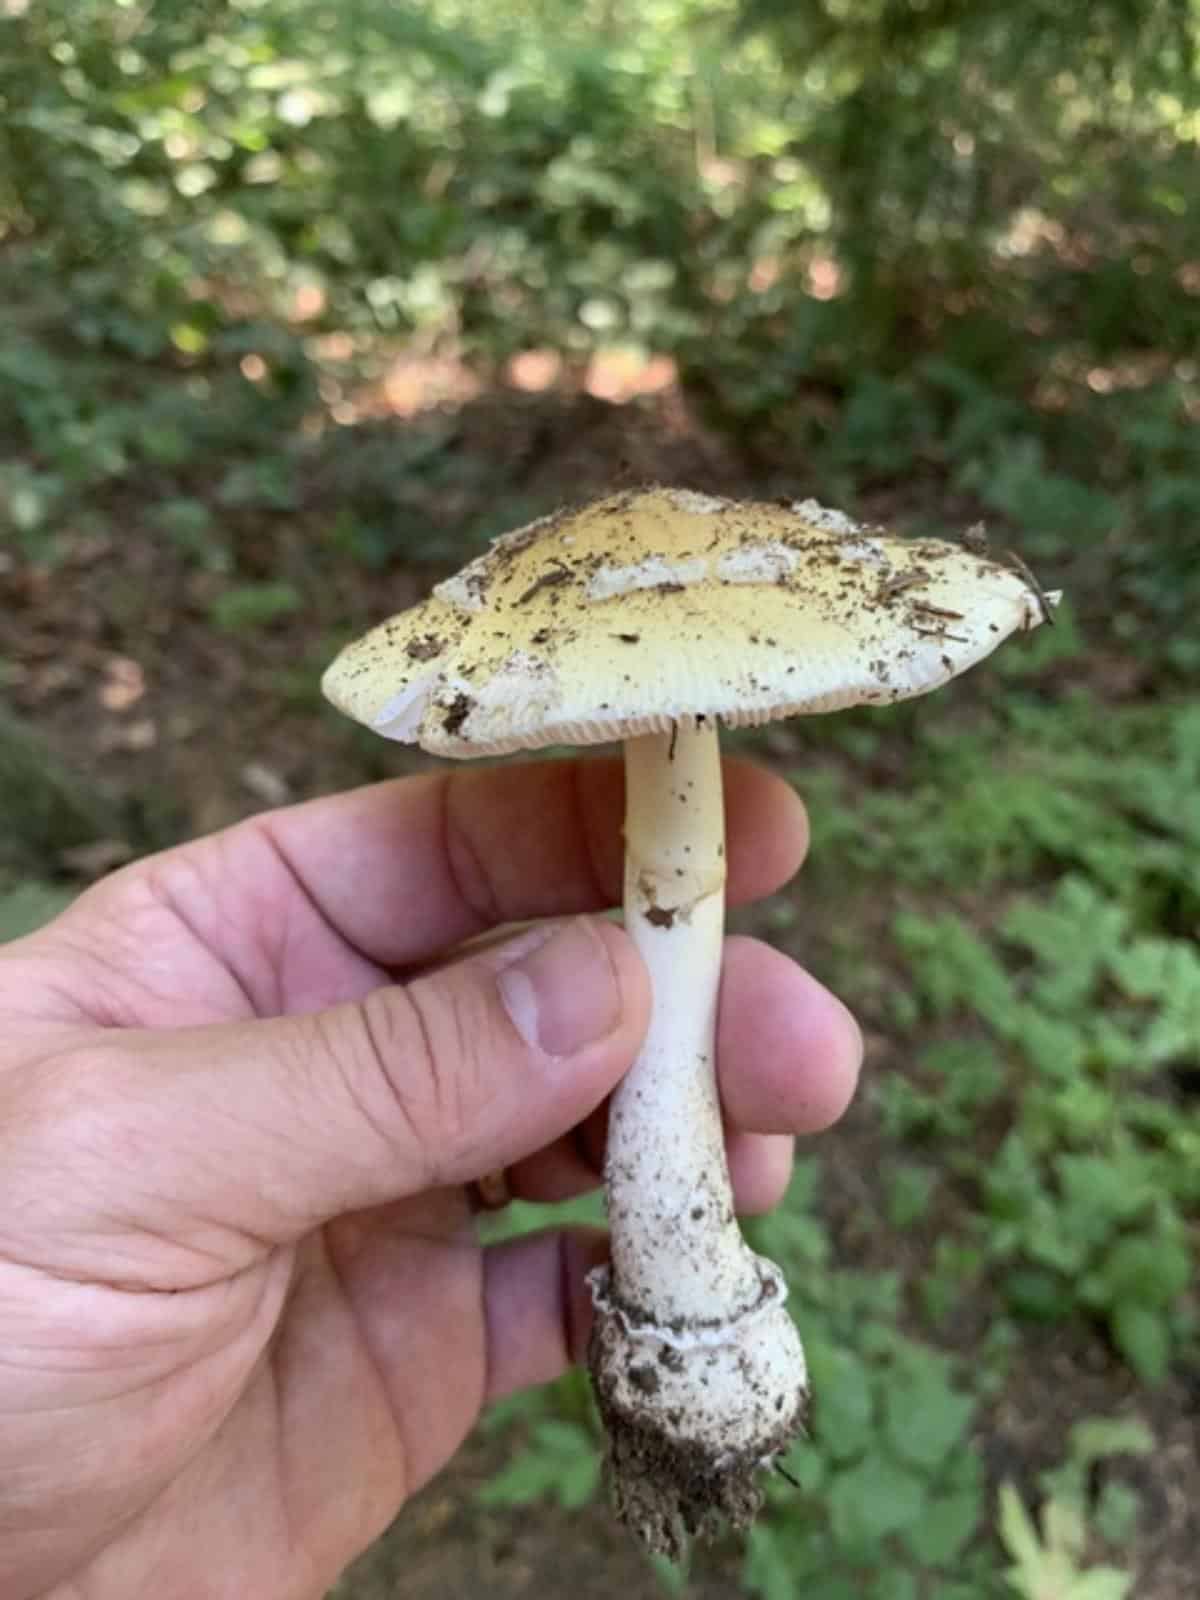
662, 607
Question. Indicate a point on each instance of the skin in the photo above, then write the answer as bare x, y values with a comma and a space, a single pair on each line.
243, 1093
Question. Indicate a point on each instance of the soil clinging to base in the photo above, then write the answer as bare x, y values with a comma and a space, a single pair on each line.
667, 1488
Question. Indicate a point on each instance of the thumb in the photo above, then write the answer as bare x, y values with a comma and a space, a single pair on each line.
266, 1129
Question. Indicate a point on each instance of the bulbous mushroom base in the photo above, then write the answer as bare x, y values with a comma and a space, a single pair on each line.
694, 1414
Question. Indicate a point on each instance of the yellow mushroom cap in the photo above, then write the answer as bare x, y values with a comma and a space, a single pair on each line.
661, 607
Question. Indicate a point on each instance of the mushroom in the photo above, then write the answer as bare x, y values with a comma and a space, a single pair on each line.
652, 617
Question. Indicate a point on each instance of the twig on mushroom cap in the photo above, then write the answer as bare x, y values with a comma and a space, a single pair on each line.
1045, 605
651, 617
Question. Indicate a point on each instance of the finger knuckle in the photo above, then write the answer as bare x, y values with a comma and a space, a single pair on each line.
421, 1056
467, 863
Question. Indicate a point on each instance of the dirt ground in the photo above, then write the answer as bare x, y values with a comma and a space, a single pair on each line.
444, 1545
116, 657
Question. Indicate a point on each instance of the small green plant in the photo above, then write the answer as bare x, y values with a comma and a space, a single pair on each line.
889, 1486
1091, 1442
1052, 1564
1048, 1565
559, 1462
1052, 1019
1084, 1201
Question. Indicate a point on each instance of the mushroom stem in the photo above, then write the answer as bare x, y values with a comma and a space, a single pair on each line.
677, 1251
698, 1370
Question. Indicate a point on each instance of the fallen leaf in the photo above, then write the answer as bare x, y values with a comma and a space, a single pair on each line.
265, 784
124, 684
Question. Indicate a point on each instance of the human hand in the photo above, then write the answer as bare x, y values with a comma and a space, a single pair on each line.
243, 1309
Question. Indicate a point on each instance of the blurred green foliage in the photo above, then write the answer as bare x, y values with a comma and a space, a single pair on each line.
938, 252
45, 805
946, 242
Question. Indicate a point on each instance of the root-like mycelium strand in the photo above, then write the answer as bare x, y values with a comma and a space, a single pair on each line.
698, 1369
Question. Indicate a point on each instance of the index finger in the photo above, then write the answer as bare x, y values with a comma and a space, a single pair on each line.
406, 868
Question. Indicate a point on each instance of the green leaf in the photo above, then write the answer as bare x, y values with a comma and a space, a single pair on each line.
769, 1569
1047, 1568
1017, 1532
1116, 1514
894, 1585
1150, 1270
1097, 1437
946, 1527
873, 1499
1143, 1336
1041, 1296
254, 605
579, 1481
670, 1576
924, 1418
843, 1418
1063, 1528
560, 1463
1104, 1190
910, 1189
830, 1586
1101, 1583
